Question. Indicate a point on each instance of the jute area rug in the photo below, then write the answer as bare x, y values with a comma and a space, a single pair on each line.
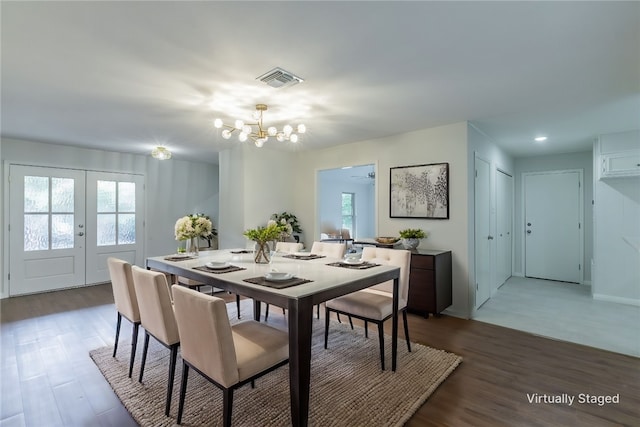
348, 388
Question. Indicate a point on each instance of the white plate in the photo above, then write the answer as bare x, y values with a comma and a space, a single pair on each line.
180, 255
302, 254
217, 265
353, 261
278, 276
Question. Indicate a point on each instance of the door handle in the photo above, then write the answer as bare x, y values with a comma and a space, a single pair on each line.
490, 237
81, 234
528, 231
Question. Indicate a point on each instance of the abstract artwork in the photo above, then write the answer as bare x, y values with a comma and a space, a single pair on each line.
420, 191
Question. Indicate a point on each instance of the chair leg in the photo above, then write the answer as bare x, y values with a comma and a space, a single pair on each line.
318, 311
350, 322
366, 329
326, 326
119, 321
172, 374
406, 329
381, 339
145, 347
238, 304
266, 312
134, 346
338, 316
227, 402
183, 390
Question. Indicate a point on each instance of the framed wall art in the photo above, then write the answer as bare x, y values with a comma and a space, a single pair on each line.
420, 191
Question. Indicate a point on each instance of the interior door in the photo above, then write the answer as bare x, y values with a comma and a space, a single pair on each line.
483, 238
46, 229
504, 208
553, 225
115, 204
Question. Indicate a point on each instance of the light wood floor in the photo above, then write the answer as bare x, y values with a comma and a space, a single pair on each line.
48, 379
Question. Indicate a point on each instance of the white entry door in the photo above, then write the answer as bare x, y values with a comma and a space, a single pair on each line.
65, 223
553, 225
115, 212
47, 239
483, 238
504, 221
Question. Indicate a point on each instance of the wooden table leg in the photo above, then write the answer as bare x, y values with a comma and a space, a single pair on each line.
300, 328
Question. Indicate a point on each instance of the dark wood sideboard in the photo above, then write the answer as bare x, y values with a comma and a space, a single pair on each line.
429, 281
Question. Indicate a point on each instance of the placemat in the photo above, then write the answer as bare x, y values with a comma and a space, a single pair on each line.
277, 285
176, 258
362, 266
242, 251
304, 257
219, 270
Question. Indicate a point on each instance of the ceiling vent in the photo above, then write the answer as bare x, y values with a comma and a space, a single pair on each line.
280, 78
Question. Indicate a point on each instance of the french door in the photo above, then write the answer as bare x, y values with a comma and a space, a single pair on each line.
65, 223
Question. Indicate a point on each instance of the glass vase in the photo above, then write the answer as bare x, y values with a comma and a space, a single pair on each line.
262, 253
192, 247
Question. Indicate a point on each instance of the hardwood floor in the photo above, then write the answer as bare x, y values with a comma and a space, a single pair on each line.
48, 379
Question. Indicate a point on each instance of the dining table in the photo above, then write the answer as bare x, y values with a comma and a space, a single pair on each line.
323, 279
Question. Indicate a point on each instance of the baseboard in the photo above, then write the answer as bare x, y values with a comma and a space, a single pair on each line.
619, 300
517, 274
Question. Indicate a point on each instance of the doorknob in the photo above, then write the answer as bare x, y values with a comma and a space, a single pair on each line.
81, 234
528, 231
528, 224
490, 237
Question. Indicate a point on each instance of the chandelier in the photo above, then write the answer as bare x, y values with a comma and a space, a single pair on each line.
257, 131
161, 153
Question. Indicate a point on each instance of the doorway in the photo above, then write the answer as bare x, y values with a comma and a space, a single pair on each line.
504, 227
553, 207
65, 223
334, 214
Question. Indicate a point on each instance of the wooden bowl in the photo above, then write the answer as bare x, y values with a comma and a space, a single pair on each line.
387, 240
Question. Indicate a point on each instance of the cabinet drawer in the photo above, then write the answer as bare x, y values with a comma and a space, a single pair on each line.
422, 261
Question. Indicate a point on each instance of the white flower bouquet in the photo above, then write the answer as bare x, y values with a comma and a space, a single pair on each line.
196, 225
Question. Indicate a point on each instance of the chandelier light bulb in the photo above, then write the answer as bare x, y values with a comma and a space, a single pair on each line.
239, 124
256, 115
246, 129
260, 142
287, 130
217, 123
280, 137
293, 138
226, 134
242, 137
272, 131
302, 128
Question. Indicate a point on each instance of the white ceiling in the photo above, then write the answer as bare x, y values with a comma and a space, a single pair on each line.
126, 76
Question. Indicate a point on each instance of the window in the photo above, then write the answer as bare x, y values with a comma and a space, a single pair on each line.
116, 213
48, 213
349, 212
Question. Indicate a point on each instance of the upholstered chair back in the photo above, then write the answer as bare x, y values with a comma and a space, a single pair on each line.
289, 247
329, 249
124, 294
396, 257
206, 336
156, 309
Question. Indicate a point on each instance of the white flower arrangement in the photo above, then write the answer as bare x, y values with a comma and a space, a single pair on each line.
196, 225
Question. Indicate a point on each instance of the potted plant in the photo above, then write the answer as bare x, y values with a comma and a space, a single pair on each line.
411, 237
286, 218
262, 236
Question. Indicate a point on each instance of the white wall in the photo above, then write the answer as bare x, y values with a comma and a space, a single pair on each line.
582, 160
435, 145
174, 187
255, 183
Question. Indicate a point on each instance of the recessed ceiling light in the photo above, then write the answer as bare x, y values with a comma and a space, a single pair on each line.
540, 138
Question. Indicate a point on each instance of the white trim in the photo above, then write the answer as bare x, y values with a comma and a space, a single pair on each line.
619, 300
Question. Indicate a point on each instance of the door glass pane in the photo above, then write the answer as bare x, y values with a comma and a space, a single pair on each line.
36, 232
106, 229
126, 197
62, 195
126, 229
106, 196
36, 194
62, 231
